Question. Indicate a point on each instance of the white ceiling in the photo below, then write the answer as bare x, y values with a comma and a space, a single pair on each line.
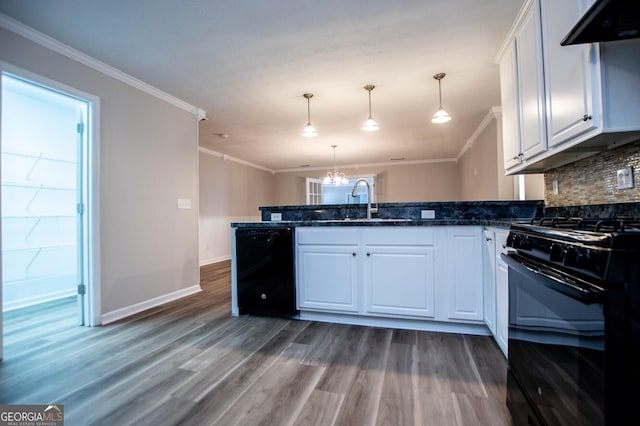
248, 62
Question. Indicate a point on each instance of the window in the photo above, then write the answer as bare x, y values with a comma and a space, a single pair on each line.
321, 193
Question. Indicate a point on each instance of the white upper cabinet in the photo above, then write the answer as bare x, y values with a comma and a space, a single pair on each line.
570, 83
530, 84
570, 101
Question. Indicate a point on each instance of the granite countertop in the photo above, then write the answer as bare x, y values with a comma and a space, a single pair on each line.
498, 223
471, 213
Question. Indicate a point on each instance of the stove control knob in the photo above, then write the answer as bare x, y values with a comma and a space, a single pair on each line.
584, 260
556, 252
571, 256
525, 243
513, 240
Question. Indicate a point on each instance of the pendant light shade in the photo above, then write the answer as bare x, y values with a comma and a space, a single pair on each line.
441, 116
335, 177
370, 125
309, 131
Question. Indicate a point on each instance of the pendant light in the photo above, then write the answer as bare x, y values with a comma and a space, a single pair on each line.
441, 116
370, 125
335, 177
309, 131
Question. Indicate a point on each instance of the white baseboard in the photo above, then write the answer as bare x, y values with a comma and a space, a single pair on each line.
118, 314
204, 262
398, 323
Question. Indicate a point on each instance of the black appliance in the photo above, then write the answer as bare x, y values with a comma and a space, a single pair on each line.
265, 271
606, 20
574, 322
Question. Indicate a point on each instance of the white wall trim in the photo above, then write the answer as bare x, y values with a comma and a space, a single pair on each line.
358, 166
479, 329
494, 112
234, 159
121, 313
204, 262
44, 40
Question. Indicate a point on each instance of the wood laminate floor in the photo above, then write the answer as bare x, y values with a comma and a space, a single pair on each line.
191, 363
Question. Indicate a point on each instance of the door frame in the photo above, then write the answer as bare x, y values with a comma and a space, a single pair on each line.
91, 218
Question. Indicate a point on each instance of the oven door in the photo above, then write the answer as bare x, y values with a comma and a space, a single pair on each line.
556, 345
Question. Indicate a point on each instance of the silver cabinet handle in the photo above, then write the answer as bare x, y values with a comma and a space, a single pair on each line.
586, 117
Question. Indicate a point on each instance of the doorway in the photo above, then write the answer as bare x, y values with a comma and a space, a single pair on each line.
45, 143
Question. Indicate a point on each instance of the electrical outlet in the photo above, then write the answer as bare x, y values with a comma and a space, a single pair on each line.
275, 217
427, 214
184, 203
625, 178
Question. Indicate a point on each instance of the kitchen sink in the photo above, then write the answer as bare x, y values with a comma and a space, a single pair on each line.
373, 219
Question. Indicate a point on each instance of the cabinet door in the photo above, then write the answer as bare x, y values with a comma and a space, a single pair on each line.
569, 74
502, 304
327, 278
489, 278
510, 121
531, 84
464, 263
399, 280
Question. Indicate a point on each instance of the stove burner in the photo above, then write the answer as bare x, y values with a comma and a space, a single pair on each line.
617, 224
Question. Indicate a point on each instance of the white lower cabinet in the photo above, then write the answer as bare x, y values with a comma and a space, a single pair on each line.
496, 286
399, 280
394, 272
329, 275
489, 279
502, 305
464, 267
327, 269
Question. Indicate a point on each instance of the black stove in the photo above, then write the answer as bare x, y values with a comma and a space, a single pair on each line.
589, 247
574, 321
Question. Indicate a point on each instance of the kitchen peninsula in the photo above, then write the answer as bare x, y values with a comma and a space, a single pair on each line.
423, 266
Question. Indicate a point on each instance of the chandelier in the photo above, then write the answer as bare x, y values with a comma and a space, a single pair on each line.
335, 177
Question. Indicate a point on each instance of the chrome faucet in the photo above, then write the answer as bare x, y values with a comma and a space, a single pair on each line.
354, 193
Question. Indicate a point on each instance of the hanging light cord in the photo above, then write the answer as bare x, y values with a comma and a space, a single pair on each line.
309, 111
440, 91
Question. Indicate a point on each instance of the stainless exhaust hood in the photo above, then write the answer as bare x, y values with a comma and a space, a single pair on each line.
607, 20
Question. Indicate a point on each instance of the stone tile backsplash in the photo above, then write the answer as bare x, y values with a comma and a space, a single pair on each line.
593, 180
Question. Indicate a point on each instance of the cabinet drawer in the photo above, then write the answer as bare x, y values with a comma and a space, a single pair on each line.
398, 235
326, 235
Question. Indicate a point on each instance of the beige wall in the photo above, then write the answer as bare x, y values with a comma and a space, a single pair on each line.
479, 168
147, 160
401, 183
229, 192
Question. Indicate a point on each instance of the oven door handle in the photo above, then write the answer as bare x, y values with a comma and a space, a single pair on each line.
562, 283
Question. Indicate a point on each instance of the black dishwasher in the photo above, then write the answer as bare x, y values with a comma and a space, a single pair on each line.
265, 271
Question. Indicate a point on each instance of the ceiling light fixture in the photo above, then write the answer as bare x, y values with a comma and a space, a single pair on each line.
309, 131
441, 116
335, 177
370, 125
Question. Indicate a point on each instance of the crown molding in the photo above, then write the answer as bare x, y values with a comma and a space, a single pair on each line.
494, 112
44, 40
226, 157
358, 166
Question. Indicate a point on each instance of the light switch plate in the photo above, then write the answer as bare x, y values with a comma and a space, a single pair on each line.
427, 214
275, 217
625, 178
184, 203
